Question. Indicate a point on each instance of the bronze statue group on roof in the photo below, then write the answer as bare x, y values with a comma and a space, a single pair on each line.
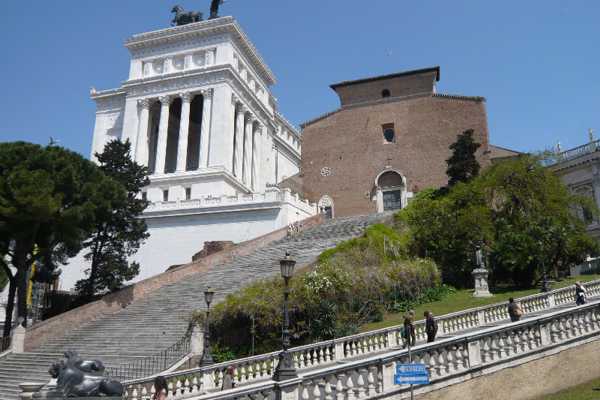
183, 17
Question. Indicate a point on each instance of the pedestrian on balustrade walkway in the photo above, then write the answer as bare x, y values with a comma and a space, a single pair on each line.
410, 337
580, 294
515, 311
160, 388
228, 382
431, 326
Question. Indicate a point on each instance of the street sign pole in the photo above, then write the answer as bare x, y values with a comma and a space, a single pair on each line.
408, 340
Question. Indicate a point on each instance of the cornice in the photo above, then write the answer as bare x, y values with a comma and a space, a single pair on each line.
584, 159
203, 29
182, 178
284, 147
280, 118
102, 94
216, 209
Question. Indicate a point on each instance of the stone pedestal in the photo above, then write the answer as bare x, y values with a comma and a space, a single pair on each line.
18, 340
197, 341
481, 285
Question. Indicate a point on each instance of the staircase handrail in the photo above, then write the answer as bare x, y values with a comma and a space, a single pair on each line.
261, 367
153, 364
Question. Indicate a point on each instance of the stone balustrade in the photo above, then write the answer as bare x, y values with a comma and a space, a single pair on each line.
271, 195
445, 356
448, 361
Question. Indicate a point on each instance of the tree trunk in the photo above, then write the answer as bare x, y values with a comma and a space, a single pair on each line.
21, 279
10, 306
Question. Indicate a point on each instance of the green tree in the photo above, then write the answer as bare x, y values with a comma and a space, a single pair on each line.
118, 231
520, 211
47, 209
463, 164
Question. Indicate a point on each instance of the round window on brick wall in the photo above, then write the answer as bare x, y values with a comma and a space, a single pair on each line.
389, 135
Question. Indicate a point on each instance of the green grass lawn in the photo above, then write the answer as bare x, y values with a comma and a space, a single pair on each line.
463, 299
587, 391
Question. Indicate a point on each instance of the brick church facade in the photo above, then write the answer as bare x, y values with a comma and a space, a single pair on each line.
388, 140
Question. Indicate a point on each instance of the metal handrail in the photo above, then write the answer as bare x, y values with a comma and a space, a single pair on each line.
575, 152
154, 364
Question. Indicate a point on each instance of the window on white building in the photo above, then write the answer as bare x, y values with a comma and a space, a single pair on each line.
166, 195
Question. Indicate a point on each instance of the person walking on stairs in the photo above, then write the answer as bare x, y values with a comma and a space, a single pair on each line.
228, 379
579, 294
160, 388
515, 312
430, 326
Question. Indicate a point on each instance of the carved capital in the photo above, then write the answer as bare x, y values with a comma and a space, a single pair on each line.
186, 97
165, 100
235, 99
250, 117
144, 104
242, 109
207, 93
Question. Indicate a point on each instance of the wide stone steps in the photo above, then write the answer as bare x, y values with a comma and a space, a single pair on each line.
155, 323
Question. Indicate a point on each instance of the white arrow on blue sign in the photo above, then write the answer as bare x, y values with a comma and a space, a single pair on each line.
411, 374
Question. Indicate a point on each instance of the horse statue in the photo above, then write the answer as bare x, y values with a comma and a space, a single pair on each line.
214, 8
183, 18
76, 377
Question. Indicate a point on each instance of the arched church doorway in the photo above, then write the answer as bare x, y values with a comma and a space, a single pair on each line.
326, 206
390, 191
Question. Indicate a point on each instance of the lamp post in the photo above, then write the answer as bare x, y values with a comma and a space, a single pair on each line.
285, 368
206, 356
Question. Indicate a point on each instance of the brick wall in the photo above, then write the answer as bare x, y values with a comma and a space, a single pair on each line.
351, 143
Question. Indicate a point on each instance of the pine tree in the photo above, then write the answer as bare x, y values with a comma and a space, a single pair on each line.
463, 164
119, 232
48, 199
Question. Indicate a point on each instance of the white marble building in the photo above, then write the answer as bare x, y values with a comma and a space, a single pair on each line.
199, 113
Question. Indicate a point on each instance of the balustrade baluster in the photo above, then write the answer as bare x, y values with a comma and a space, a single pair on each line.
304, 391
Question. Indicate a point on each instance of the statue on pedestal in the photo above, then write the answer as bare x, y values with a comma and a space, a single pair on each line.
214, 8
480, 275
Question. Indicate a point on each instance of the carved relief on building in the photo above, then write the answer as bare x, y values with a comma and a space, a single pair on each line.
165, 65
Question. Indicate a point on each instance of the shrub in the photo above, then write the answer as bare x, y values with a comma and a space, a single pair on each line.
354, 283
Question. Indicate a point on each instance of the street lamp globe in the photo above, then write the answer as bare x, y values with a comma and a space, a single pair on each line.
287, 265
208, 296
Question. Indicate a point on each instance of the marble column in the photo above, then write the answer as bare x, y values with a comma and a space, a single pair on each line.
248, 149
142, 150
205, 129
184, 130
163, 131
240, 110
256, 146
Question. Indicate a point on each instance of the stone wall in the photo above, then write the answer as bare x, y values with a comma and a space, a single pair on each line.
350, 143
112, 303
530, 380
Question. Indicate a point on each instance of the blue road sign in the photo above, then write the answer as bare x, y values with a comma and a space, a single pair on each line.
411, 374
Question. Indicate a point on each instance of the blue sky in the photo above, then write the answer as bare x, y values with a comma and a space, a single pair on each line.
536, 62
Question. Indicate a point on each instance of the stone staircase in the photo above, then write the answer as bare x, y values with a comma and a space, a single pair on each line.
159, 320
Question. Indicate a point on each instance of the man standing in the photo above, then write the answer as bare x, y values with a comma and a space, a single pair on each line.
410, 337
430, 326
514, 310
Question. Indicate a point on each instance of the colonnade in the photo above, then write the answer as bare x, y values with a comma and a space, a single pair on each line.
152, 147
247, 143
